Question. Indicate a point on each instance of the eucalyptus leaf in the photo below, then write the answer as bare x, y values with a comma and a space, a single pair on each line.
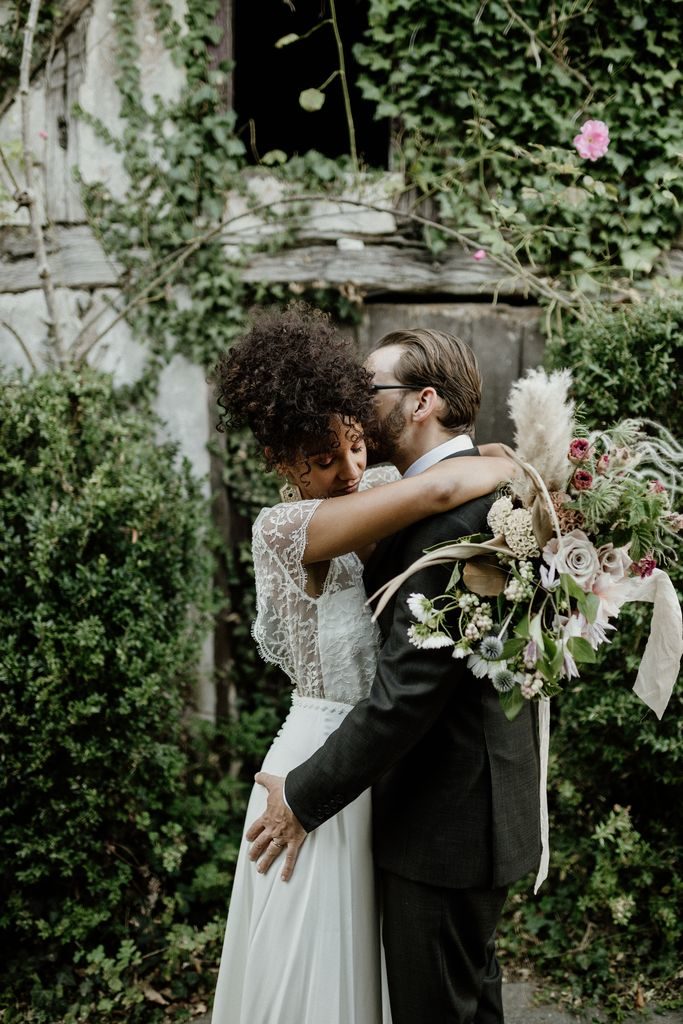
580, 649
512, 703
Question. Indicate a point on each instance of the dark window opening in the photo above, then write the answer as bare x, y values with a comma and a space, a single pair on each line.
268, 81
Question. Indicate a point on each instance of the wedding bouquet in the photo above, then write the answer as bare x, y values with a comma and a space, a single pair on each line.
584, 530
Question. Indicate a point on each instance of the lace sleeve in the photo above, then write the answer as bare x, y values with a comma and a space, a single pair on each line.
283, 628
378, 475
279, 540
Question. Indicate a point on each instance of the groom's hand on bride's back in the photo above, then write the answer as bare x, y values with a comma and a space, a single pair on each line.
276, 830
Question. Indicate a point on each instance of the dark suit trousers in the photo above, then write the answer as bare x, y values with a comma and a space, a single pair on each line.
439, 944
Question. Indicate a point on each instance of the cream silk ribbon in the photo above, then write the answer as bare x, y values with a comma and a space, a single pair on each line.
656, 675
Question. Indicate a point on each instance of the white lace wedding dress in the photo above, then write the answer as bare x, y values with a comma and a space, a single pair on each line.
308, 951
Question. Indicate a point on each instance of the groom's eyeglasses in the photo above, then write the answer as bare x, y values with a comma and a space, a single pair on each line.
393, 387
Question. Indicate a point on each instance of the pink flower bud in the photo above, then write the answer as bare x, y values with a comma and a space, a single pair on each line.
644, 567
657, 487
42, 133
480, 254
579, 450
582, 480
602, 465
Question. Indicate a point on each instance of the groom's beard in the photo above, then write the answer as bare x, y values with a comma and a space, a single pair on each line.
384, 441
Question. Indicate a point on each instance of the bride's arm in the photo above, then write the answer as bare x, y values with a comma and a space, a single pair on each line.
355, 521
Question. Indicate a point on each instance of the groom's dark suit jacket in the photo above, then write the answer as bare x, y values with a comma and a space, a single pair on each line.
455, 797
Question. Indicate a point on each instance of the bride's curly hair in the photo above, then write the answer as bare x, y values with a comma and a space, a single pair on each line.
286, 378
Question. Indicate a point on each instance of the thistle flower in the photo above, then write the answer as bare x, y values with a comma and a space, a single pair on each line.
503, 680
491, 648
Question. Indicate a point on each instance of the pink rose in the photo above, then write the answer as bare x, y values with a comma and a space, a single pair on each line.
579, 449
480, 254
602, 465
582, 480
645, 567
593, 140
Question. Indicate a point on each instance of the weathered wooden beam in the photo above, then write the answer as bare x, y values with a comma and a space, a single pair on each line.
382, 268
76, 258
388, 266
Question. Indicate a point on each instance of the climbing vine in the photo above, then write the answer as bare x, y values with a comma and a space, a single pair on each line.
488, 97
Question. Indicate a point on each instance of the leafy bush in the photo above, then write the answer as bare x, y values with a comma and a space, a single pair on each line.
111, 837
605, 924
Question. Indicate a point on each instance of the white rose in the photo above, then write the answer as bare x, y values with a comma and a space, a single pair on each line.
574, 555
614, 561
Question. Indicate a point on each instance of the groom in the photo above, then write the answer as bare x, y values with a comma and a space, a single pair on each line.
455, 784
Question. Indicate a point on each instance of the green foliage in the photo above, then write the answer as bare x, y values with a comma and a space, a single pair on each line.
489, 97
12, 38
605, 922
627, 361
181, 157
107, 833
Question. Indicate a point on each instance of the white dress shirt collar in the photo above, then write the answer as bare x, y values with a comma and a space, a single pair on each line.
454, 444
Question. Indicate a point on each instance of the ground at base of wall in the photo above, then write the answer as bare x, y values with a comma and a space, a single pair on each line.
521, 1007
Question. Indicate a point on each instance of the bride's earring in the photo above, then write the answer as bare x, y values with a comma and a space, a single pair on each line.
290, 492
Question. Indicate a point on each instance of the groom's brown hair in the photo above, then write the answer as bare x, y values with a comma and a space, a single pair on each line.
444, 362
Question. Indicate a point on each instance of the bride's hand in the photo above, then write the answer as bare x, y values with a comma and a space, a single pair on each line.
468, 477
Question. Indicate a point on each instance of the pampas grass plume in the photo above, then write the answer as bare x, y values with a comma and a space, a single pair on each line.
543, 416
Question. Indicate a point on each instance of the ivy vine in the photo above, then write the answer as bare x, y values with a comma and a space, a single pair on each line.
489, 95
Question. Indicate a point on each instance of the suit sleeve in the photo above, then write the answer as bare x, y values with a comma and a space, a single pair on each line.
409, 692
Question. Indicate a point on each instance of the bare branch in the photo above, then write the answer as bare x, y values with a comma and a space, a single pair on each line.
27, 197
22, 344
10, 172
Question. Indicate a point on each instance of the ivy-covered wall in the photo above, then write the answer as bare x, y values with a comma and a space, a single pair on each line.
489, 95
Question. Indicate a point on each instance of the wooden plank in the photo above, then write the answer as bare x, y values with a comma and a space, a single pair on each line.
76, 258
79, 261
384, 268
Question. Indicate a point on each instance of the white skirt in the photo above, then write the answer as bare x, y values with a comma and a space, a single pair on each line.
305, 951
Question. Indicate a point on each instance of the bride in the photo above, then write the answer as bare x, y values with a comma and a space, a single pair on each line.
309, 952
